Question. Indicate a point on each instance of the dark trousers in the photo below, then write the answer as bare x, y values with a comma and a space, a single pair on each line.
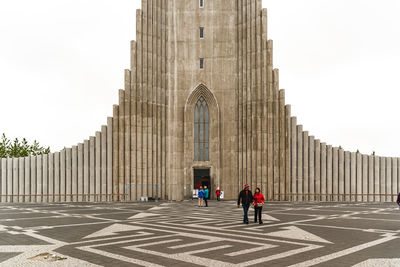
205, 200
218, 198
257, 213
245, 213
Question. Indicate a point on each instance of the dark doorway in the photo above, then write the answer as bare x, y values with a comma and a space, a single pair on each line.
202, 178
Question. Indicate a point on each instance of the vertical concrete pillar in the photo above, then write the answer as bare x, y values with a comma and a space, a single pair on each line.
317, 172
98, 167
68, 174
359, 177
57, 186
139, 105
33, 178
377, 189
63, 172
39, 178
288, 155
311, 168
21, 180
51, 177
127, 132
86, 170
341, 175
3, 178
300, 181
45, 178
293, 160
365, 178
323, 172
109, 158
9, 179
353, 176
270, 119
370, 178
27, 178
115, 154
276, 132
134, 118
282, 147
92, 167
347, 177
329, 172
388, 179
104, 163
74, 176
335, 173
383, 179
305, 167
80, 172
394, 179
15, 186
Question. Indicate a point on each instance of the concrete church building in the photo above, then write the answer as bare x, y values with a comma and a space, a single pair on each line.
201, 105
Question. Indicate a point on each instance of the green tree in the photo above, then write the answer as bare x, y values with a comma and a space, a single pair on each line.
17, 148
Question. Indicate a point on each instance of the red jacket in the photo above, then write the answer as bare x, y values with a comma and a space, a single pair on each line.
218, 192
258, 198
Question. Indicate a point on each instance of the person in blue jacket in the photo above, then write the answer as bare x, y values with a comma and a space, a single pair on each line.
200, 196
206, 193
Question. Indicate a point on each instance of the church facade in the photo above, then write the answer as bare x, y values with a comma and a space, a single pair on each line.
201, 106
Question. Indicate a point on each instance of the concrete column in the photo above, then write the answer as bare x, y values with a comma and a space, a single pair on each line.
127, 132
51, 177
394, 179
68, 175
293, 160
57, 177
39, 178
370, 178
27, 184
92, 168
335, 173
359, 176
329, 172
74, 176
80, 171
98, 167
21, 180
364, 177
317, 172
134, 105
86, 170
9, 180
282, 147
300, 180
305, 166
311, 168
63, 172
353, 176
15, 185
383, 179
109, 158
323, 172
3, 179
276, 132
115, 154
341, 175
33, 178
287, 153
347, 177
388, 179
377, 179
104, 163
45, 178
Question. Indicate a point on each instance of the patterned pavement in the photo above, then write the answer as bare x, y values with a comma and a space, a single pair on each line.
181, 234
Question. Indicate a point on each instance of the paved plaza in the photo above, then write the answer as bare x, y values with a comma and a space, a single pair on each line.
181, 234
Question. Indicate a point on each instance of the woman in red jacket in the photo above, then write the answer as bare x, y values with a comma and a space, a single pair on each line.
258, 204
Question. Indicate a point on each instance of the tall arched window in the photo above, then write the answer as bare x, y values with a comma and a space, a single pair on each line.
201, 131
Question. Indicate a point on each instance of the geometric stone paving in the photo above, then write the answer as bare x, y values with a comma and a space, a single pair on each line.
181, 234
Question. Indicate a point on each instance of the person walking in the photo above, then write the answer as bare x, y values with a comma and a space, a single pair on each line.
398, 200
206, 193
218, 192
200, 196
246, 198
258, 205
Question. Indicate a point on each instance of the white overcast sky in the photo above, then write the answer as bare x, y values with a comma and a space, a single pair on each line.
62, 62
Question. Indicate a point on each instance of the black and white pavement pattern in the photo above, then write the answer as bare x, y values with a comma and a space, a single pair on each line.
182, 234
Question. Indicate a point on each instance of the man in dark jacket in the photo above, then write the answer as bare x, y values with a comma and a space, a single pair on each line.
398, 200
246, 197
